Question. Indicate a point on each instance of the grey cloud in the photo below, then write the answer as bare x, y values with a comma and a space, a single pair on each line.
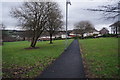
76, 13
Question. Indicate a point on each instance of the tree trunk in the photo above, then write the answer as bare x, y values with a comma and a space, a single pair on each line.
82, 36
35, 38
51, 39
34, 41
116, 30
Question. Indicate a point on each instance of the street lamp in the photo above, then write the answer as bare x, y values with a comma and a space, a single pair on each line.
67, 2
119, 11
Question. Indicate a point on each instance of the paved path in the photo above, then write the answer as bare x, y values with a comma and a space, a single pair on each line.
68, 65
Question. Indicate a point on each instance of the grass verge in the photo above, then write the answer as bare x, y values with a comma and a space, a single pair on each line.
21, 63
100, 57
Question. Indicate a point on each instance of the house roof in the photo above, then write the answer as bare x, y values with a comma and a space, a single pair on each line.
116, 24
96, 30
74, 31
104, 29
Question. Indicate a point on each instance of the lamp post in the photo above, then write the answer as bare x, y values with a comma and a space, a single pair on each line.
67, 2
119, 11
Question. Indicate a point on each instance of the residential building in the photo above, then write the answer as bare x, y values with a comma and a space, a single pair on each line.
104, 31
74, 33
92, 33
115, 28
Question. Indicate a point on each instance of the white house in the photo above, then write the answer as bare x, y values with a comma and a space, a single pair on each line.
91, 33
63, 36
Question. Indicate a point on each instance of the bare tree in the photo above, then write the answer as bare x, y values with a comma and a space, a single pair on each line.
84, 27
2, 26
109, 11
32, 16
4, 33
54, 19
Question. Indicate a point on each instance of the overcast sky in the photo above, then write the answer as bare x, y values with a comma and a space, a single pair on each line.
76, 13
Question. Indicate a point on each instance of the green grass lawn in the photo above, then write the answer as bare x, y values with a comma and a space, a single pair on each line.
0, 60
101, 57
19, 62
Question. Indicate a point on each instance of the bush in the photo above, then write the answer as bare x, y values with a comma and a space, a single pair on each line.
59, 38
109, 35
75, 37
